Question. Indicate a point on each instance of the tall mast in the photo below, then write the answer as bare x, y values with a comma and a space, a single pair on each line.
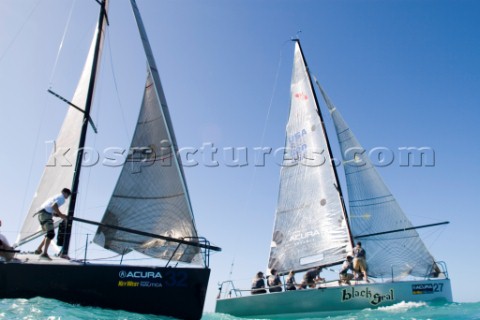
339, 188
86, 117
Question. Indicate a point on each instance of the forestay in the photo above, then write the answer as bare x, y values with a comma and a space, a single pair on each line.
374, 209
310, 227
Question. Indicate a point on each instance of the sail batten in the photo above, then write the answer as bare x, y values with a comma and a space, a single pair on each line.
148, 198
310, 227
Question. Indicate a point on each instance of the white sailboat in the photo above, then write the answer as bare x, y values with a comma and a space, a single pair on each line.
312, 227
149, 212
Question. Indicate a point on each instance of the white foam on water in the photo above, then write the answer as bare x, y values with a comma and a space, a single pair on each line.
402, 306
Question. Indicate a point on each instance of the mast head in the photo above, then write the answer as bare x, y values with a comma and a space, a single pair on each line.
296, 38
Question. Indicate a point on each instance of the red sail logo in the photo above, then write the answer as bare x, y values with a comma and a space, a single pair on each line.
301, 96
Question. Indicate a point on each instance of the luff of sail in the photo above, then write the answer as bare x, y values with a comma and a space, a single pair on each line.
60, 168
310, 227
374, 209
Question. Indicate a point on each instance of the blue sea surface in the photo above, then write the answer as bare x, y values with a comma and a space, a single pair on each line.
48, 309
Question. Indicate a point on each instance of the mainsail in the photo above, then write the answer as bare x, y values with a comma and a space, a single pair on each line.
310, 226
151, 194
373, 209
59, 171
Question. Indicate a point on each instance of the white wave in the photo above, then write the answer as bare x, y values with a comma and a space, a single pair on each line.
402, 306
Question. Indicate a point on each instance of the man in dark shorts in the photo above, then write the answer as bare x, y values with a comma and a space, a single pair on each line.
345, 276
311, 278
48, 210
360, 261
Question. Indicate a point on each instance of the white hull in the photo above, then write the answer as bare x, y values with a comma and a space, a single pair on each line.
311, 302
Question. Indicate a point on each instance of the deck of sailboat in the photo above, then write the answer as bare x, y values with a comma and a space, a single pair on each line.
32, 258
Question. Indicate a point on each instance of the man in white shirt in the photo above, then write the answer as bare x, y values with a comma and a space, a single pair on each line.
6, 252
48, 210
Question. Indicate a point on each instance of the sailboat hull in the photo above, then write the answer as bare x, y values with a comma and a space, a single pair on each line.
175, 292
317, 302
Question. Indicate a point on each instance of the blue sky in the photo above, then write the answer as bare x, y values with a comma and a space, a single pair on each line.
403, 74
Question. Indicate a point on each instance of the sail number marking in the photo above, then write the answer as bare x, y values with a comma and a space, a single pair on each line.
427, 288
175, 278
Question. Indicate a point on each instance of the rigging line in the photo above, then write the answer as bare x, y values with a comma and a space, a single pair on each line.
262, 139
122, 110
273, 92
372, 198
19, 31
61, 44
26, 195
442, 230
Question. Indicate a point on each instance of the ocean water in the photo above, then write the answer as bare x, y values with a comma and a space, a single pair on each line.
48, 309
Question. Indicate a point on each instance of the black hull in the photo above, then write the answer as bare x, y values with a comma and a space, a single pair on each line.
174, 292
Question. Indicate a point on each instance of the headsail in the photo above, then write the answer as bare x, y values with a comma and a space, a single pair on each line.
374, 209
60, 168
151, 194
310, 225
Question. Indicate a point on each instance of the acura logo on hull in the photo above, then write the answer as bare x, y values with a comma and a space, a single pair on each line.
140, 274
